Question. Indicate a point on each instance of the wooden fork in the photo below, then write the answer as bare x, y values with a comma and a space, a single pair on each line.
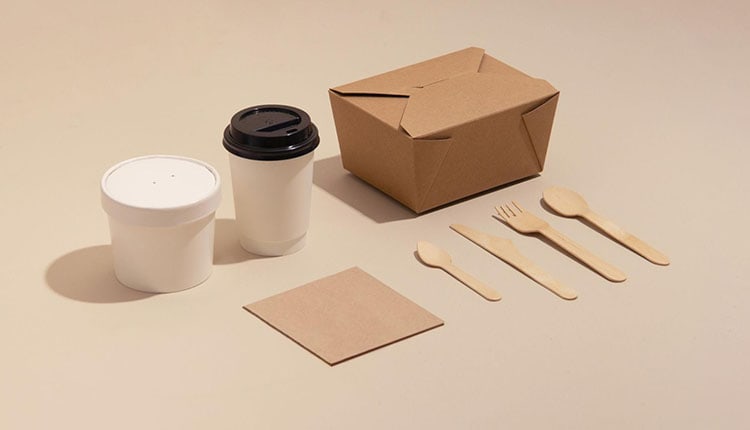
526, 222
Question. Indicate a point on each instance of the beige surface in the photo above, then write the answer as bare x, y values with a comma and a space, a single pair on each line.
653, 110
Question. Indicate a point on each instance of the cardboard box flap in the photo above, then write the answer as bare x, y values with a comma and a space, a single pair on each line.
538, 123
435, 109
404, 81
429, 156
493, 65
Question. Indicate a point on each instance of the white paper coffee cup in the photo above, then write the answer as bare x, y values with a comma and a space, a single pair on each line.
161, 218
271, 159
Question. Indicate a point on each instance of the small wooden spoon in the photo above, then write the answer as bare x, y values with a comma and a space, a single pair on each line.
571, 204
433, 256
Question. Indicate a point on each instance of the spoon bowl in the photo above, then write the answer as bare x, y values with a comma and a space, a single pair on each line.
565, 202
570, 204
432, 256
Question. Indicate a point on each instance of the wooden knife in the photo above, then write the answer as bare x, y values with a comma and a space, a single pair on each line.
506, 251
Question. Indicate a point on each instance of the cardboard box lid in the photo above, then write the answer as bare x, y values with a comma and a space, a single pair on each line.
451, 90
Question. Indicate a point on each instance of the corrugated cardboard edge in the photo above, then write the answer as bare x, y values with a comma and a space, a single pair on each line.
538, 123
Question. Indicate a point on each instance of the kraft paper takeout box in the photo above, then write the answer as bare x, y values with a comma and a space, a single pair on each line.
443, 129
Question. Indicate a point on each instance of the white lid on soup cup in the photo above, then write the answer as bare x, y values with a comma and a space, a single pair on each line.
160, 190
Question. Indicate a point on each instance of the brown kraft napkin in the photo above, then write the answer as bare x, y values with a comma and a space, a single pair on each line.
344, 315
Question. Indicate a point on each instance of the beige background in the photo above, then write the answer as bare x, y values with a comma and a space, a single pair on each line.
651, 128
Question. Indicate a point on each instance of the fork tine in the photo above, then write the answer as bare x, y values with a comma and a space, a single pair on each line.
501, 214
506, 210
517, 206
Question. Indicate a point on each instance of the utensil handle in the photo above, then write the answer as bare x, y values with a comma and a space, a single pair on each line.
615, 232
597, 264
527, 267
473, 283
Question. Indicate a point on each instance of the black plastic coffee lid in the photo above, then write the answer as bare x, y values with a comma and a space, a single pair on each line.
271, 132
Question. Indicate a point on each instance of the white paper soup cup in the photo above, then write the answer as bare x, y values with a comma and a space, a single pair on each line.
161, 219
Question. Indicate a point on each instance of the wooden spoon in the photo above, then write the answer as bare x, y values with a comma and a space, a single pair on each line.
433, 256
571, 204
